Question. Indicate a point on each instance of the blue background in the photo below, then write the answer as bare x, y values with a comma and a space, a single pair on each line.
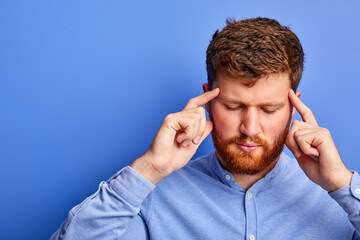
84, 86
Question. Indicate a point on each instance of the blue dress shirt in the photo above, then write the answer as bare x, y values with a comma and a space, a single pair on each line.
203, 201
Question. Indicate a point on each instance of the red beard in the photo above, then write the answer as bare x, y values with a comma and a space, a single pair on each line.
250, 163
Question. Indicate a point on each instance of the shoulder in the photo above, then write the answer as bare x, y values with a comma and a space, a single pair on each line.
294, 180
195, 170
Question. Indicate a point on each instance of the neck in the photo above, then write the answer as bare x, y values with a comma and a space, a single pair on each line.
246, 180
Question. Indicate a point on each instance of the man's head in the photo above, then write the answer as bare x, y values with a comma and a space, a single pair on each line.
254, 62
254, 48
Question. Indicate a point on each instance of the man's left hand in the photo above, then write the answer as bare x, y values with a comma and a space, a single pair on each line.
315, 150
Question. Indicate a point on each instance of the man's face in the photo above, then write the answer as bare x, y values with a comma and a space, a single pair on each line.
250, 123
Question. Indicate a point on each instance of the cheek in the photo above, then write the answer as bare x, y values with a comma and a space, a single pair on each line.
276, 124
224, 120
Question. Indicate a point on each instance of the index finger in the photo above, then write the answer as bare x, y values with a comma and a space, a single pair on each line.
304, 111
202, 99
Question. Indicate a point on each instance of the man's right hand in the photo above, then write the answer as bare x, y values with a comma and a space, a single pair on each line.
177, 140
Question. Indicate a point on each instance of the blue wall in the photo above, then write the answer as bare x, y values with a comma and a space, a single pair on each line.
84, 86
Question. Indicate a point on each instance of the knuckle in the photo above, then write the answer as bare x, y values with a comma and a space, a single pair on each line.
325, 131
202, 131
296, 122
169, 117
296, 134
292, 127
201, 110
306, 151
191, 101
298, 137
295, 125
189, 126
197, 116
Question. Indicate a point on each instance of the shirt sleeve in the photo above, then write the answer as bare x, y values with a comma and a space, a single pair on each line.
107, 213
349, 199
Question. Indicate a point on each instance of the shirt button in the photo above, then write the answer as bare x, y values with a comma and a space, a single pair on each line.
250, 196
227, 176
252, 237
357, 191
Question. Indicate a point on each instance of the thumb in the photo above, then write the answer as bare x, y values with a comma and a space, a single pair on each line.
208, 129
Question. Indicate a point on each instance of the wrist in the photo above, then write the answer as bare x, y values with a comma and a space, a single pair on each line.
143, 166
344, 180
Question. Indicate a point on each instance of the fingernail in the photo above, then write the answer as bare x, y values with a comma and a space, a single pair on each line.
197, 139
179, 138
186, 143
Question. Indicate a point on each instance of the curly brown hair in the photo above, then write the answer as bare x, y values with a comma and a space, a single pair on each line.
254, 48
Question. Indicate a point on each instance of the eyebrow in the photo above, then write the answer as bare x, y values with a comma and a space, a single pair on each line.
235, 101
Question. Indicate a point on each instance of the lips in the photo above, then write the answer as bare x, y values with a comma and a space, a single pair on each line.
249, 147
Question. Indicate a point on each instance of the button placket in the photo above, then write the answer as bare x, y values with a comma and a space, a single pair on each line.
251, 216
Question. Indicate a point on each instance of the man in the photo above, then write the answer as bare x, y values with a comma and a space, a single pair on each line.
247, 188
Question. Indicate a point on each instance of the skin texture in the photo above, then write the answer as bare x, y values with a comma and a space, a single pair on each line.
315, 150
258, 112
177, 140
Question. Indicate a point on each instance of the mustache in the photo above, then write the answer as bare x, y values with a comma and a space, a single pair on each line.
243, 139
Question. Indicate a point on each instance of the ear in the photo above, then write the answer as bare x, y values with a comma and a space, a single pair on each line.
206, 89
298, 94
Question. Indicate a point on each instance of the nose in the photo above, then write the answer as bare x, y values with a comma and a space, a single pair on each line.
250, 122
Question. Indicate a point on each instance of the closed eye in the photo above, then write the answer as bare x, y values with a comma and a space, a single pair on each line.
233, 108
269, 111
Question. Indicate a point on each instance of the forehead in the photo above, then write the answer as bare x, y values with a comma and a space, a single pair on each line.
273, 87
